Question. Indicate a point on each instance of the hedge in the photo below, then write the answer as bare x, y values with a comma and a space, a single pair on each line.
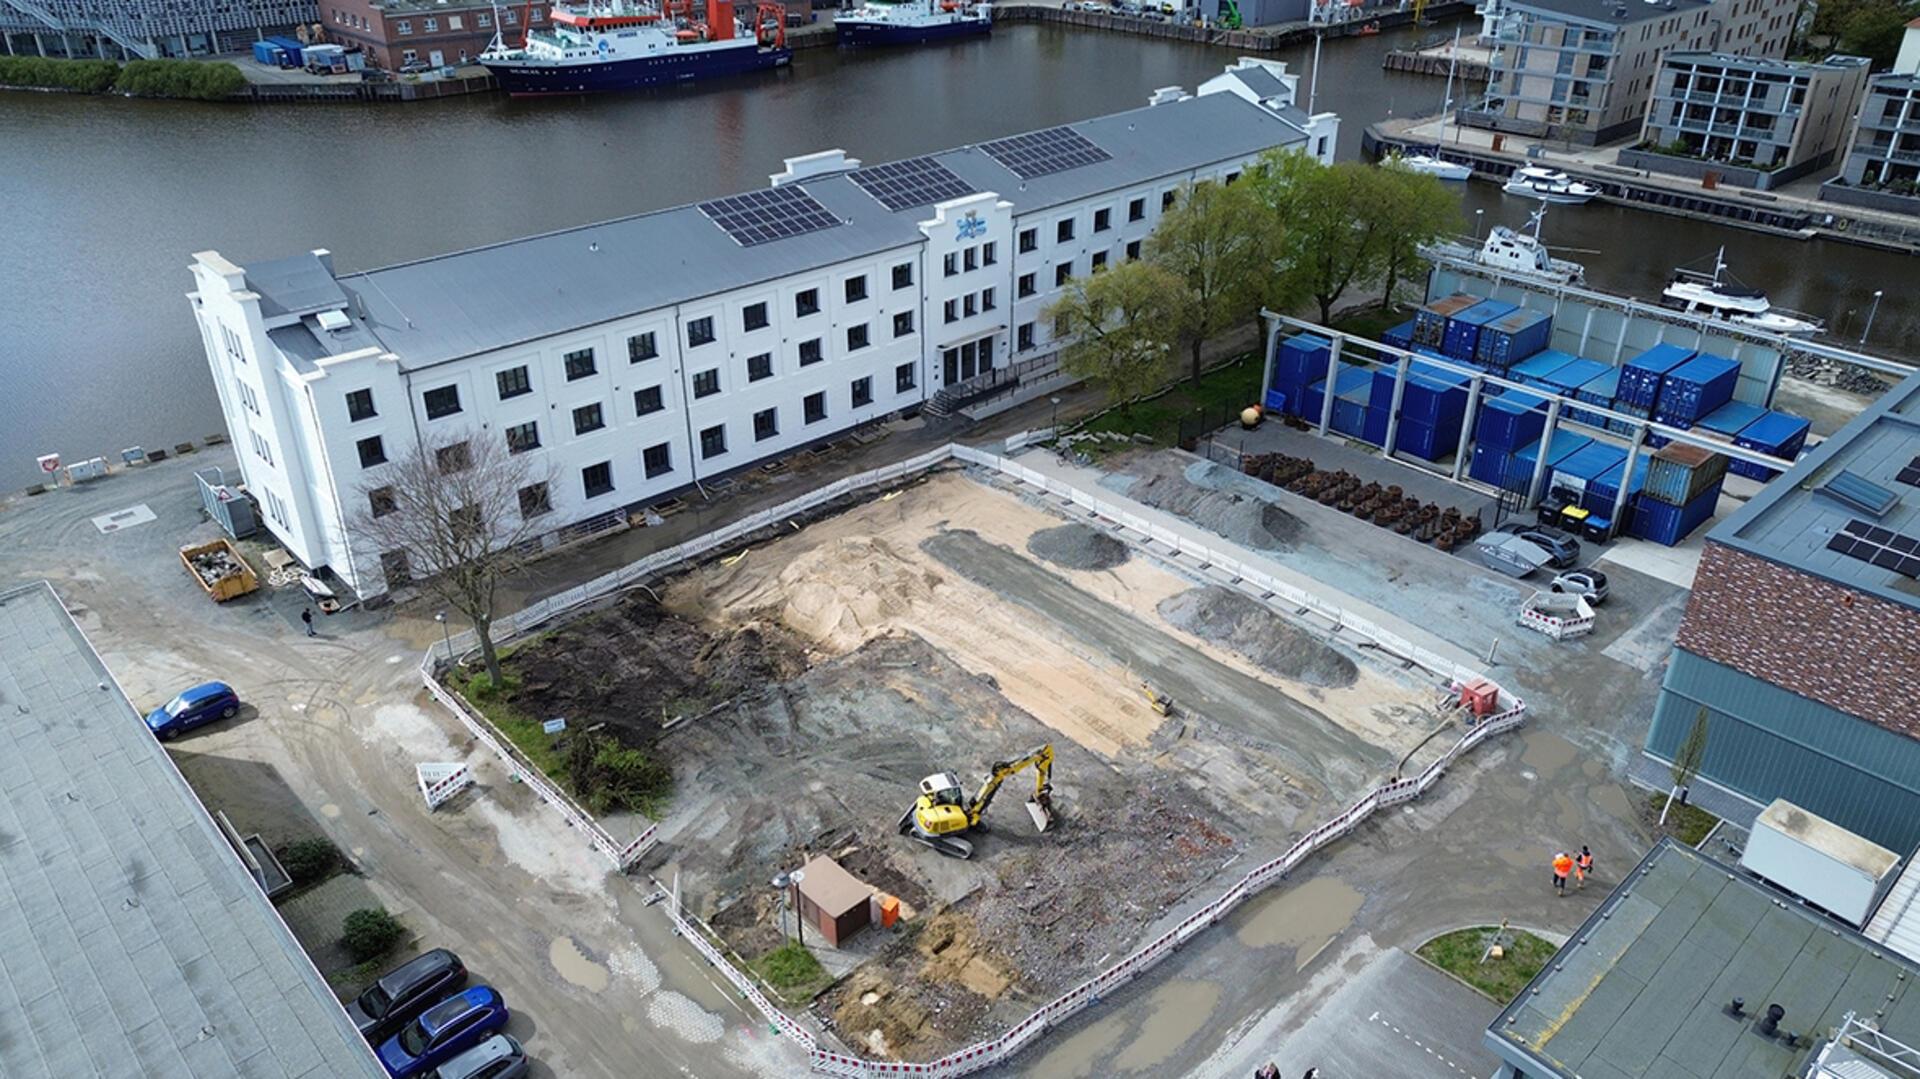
87, 76
181, 78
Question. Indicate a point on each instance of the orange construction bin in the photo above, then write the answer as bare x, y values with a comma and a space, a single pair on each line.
889, 911
1482, 696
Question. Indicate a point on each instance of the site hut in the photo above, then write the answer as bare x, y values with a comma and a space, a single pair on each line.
642, 356
1801, 640
833, 902
1691, 968
133, 939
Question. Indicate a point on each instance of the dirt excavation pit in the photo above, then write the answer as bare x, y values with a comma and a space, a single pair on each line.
1076, 546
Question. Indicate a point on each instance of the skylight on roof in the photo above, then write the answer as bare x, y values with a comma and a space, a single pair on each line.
1862, 494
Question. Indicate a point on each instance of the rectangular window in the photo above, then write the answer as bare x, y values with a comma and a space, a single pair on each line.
857, 337
1137, 210
380, 501
522, 437
1166, 201
987, 253
810, 352
1232, 176
856, 288
588, 418
393, 567
971, 259
359, 405
759, 367
967, 305
512, 382
1102, 220
986, 299
713, 441
442, 401
372, 452
814, 407
1133, 250
641, 346
903, 378
753, 317
950, 264
1099, 259
1063, 231
579, 364
647, 401
1062, 273
903, 275
405, 26
484, 20
862, 392
454, 458
706, 383
1029, 240
597, 480
766, 424
1060, 326
433, 26
512, 17
950, 311
700, 332
1023, 288
657, 460
534, 501
806, 302
903, 324
1023, 340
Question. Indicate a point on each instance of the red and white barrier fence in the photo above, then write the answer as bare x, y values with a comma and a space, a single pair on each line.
440, 781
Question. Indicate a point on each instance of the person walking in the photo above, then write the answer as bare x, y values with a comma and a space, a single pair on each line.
1562, 865
1269, 1070
1583, 865
306, 616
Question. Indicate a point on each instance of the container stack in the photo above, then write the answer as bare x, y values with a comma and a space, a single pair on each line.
1776, 434
1559, 447
1579, 469
1352, 387
1400, 336
1729, 420
1513, 337
1433, 407
1695, 389
1299, 361
1505, 424
1533, 370
1462, 338
1430, 322
1679, 494
1603, 490
1598, 390
1640, 379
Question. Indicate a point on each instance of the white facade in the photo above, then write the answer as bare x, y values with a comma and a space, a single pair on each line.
630, 410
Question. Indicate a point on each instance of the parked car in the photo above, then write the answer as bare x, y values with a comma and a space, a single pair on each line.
415, 67
194, 707
406, 991
499, 1057
443, 1032
1564, 548
1588, 583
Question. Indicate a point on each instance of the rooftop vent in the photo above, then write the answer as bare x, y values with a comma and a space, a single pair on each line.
333, 321
1862, 494
1770, 1026
1738, 1008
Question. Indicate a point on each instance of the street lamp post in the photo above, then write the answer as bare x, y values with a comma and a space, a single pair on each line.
1871, 311
441, 617
1477, 215
1055, 421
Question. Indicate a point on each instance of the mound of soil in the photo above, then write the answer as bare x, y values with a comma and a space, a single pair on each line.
1215, 498
1236, 622
1077, 546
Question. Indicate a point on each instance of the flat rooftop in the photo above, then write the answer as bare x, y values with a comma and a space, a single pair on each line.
1640, 990
1609, 12
1793, 519
132, 940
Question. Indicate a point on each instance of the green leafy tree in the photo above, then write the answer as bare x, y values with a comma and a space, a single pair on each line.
1219, 244
1331, 224
1415, 209
1875, 30
1124, 322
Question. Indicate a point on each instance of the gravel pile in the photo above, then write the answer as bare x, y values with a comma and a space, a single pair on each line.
1276, 645
1077, 546
1217, 499
1841, 376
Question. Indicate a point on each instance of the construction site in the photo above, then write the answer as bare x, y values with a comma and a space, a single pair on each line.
1022, 743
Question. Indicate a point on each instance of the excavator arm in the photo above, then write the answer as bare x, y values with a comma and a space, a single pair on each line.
1041, 761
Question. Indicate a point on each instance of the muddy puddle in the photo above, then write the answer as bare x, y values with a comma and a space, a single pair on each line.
1305, 917
1547, 753
1176, 1012
576, 968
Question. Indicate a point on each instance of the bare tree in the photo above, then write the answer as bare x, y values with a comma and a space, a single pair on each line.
453, 517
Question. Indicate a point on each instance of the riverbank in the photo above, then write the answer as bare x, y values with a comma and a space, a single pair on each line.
189, 80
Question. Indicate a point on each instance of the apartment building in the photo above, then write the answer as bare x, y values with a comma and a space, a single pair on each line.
1882, 169
144, 29
1748, 121
1584, 70
637, 357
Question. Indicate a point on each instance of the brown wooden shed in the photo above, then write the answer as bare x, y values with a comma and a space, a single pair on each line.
833, 901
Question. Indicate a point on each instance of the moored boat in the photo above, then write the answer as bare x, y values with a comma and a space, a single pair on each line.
1549, 185
623, 45
912, 22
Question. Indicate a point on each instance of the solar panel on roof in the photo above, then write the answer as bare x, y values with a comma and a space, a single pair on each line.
917, 181
1877, 546
1910, 475
1862, 494
1043, 153
759, 217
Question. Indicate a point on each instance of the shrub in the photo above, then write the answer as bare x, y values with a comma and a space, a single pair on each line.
370, 933
482, 687
88, 76
611, 777
310, 860
790, 967
181, 78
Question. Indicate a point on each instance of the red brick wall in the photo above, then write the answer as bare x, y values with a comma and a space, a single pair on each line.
1843, 648
376, 28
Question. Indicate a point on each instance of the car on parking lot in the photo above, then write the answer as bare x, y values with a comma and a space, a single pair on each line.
499, 1057
202, 704
406, 991
1589, 583
1563, 548
443, 1032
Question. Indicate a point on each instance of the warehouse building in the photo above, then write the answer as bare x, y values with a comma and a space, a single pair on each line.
133, 941
1801, 641
637, 358
145, 29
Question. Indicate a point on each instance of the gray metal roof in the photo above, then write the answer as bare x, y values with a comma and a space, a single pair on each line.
132, 940
1641, 989
294, 286
1741, 62
455, 305
1789, 521
1264, 84
1611, 12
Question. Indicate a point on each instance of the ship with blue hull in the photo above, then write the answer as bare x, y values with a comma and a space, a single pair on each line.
624, 45
912, 22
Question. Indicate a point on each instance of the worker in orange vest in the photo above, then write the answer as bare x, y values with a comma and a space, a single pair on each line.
1583, 865
1562, 865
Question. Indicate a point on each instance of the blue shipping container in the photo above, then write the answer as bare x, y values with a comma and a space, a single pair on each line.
1511, 420
1430, 322
1533, 370
267, 53
1641, 376
1604, 489
1400, 336
1731, 418
1568, 379
1374, 431
1596, 391
1350, 416
1513, 337
1582, 466
1350, 379
1696, 388
1301, 358
1665, 523
1431, 442
1775, 433
292, 48
1490, 464
1463, 329
1563, 445
1431, 394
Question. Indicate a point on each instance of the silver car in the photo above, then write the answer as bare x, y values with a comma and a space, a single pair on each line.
499, 1057
1588, 583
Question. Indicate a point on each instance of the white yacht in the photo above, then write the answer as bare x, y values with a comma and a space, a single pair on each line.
1512, 251
1549, 185
1433, 165
1715, 295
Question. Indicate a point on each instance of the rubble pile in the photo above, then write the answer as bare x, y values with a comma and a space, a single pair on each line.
214, 565
1822, 371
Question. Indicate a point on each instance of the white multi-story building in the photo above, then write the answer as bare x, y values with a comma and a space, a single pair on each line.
641, 356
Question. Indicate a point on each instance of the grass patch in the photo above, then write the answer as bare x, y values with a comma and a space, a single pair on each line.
1370, 322
523, 731
793, 971
1687, 823
1458, 953
1220, 393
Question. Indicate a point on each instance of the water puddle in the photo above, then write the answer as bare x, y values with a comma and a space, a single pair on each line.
1076, 1057
1613, 801
1306, 917
1176, 1012
1547, 753
565, 956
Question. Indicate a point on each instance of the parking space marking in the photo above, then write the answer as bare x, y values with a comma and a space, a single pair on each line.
1417, 1044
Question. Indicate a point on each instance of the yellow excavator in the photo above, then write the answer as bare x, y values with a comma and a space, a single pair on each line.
943, 812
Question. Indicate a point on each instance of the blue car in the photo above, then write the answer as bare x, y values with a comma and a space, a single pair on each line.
203, 703
444, 1031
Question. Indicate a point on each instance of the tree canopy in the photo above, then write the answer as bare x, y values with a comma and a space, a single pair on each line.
1220, 246
1124, 321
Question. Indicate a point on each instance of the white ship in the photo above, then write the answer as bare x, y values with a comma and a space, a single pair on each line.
1516, 254
1435, 166
1549, 185
626, 44
912, 22
1713, 294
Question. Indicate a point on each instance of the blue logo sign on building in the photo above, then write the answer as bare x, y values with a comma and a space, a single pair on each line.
970, 227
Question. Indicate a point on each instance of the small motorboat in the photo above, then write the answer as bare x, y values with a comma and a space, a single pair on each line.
1717, 295
1433, 165
1549, 185
1512, 251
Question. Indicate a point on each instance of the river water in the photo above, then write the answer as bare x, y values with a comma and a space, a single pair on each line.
102, 202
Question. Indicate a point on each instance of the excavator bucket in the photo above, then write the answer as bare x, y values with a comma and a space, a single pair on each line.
1040, 808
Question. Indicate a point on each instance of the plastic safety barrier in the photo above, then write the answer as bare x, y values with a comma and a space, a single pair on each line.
441, 781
